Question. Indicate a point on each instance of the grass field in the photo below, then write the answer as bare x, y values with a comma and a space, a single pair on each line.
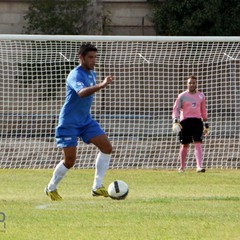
161, 204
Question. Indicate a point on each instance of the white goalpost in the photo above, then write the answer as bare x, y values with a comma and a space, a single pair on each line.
135, 110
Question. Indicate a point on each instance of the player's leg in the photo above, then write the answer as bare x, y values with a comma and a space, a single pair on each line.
102, 143
60, 171
199, 156
197, 137
185, 139
101, 164
183, 155
68, 145
95, 135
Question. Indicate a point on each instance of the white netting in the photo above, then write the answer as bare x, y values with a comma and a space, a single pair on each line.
135, 110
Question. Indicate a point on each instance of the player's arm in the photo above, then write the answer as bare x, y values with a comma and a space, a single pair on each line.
87, 91
204, 118
176, 115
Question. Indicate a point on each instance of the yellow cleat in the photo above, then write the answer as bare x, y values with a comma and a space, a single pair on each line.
53, 195
102, 191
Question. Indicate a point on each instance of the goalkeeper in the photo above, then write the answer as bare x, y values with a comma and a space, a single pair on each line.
76, 122
190, 122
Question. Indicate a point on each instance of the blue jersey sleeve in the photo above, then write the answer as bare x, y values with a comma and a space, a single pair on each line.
79, 79
75, 80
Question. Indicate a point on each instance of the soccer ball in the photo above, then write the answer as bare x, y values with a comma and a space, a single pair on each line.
118, 190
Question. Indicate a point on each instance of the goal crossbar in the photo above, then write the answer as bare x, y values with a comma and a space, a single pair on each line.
105, 38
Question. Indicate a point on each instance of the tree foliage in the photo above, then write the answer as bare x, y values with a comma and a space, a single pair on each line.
197, 17
57, 17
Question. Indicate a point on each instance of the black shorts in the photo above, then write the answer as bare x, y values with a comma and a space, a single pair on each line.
192, 130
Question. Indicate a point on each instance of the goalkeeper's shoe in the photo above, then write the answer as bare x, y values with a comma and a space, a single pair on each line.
53, 194
180, 170
102, 191
201, 170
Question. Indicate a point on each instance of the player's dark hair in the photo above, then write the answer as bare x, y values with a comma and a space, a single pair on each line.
192, 77
85, 48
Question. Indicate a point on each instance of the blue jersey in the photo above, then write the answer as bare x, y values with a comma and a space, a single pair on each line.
75, 112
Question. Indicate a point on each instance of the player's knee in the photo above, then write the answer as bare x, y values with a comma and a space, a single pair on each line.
107, 149
69, 163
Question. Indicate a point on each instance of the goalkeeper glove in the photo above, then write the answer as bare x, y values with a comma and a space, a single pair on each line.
177, 127
206, 129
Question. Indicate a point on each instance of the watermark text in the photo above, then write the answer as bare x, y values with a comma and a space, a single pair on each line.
3, 224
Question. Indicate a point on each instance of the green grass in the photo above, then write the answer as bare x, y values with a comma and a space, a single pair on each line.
161, 204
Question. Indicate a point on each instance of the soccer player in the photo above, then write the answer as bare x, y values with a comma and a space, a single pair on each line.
75, 121
190, 122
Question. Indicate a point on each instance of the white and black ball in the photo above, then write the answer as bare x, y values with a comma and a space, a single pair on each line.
118, 190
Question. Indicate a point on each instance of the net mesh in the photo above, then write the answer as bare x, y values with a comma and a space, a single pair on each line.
135, 111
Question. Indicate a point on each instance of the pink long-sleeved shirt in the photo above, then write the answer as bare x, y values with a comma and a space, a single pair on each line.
189, 105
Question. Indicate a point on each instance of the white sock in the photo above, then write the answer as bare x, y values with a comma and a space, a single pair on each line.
102, 163
58, 174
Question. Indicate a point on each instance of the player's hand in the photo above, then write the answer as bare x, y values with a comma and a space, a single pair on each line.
177, 127
106, 81
206, 129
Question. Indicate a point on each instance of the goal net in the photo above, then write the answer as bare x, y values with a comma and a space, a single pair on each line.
135, 111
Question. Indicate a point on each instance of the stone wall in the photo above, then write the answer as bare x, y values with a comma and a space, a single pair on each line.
127, 18
11, 16
112, 17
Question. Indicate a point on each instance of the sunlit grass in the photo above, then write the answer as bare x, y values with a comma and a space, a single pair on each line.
161, 205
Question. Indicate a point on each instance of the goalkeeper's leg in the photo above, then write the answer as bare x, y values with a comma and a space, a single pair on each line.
199, 156
183, 155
